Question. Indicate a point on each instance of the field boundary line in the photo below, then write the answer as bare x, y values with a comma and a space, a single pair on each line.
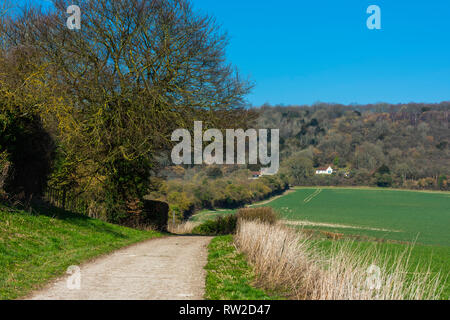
371, 189
332, 225
312, 196
263, 202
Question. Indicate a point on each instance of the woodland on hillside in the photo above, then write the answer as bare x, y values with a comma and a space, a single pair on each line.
382, 145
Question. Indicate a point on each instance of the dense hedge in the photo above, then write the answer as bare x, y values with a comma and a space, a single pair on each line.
224, 225
233, 190
219, 226
153, 214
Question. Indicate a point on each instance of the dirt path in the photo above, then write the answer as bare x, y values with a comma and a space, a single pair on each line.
161, 269
271, 199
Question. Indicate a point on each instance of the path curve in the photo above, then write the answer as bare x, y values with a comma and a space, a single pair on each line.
264, 202
168, 268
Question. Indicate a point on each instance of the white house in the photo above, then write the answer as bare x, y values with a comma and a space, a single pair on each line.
328, 170
256, 175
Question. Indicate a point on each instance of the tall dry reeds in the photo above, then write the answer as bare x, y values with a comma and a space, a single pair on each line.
261, 214
285, 260
182, 228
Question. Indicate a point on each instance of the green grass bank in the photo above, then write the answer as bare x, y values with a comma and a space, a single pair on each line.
36, 248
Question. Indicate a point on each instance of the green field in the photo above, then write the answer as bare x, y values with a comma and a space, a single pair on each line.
409, 216
406, 216
422, 218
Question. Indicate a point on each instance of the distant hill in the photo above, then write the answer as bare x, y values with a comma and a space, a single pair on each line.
409, 141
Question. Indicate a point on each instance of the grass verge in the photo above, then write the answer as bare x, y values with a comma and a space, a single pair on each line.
37, 248
229, 276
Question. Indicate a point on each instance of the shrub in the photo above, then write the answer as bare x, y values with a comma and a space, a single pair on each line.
151, 214
125, 186
4, 168
383, 180
442, 182
262, 214
214, 172
219, 226
182, 228
26, 155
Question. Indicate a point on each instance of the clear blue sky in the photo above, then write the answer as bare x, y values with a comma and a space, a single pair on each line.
301, 52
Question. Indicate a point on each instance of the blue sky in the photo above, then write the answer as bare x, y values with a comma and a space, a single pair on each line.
302, 52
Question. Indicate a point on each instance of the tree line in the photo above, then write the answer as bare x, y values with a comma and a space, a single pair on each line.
91, 111
385, 145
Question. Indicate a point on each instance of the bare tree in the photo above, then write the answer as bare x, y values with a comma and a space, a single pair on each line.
135, 71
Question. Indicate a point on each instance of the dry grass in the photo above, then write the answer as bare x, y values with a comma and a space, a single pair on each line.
287, 261
261, 214
182, 228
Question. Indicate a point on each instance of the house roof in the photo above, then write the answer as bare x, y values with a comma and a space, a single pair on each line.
324, 168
